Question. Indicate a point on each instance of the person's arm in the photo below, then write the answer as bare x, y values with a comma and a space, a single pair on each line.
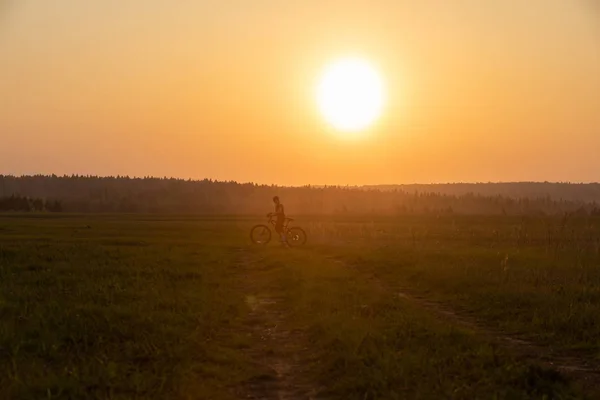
273, 214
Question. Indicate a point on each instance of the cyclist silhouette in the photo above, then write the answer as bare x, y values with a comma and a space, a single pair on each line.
289, 236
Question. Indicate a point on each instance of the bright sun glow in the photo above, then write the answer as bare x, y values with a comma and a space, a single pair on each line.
350, 95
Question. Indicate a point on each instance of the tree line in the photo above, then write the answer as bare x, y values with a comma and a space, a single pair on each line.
122, 194
26, 204
586, 192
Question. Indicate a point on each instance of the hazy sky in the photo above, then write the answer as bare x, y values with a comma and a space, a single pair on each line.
477, 90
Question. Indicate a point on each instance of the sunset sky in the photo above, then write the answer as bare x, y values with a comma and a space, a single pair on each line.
505, 90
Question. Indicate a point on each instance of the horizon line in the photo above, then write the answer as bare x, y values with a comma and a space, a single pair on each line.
190, 179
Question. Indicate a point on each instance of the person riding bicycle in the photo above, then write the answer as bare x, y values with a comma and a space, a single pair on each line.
280, 214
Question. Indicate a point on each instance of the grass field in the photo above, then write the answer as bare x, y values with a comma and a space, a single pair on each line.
151, 307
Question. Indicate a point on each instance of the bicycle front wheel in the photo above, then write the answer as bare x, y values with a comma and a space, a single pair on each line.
260, 234
296, 236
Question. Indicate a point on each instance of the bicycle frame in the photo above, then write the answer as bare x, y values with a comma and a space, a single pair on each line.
295, 234
286, 221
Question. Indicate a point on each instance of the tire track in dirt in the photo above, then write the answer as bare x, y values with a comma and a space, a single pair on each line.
585, 371
279, 354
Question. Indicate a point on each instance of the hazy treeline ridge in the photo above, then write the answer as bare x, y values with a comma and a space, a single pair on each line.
23, 203
586, 192
124, 194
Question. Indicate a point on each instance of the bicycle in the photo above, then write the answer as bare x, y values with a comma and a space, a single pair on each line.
261, 234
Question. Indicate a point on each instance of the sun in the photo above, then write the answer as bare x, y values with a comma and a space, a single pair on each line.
350, 95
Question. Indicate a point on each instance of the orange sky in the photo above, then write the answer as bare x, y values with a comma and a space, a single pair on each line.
477, 90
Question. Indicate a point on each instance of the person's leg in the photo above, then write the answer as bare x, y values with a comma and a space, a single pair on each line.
280, 231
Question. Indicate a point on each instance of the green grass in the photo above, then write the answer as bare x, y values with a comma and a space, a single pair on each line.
120, 307
517, 276
368, 343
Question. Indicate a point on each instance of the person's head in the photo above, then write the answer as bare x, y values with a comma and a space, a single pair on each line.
276, 199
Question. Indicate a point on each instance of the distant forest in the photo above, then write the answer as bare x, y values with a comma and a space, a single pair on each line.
585, 192
167, 195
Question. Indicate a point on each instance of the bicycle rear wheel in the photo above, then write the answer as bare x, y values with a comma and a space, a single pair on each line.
260, 234
296, 236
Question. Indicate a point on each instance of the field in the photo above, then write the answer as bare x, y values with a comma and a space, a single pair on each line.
157, 307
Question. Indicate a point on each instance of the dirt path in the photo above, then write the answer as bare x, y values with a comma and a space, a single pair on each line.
584, 370
279, 354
